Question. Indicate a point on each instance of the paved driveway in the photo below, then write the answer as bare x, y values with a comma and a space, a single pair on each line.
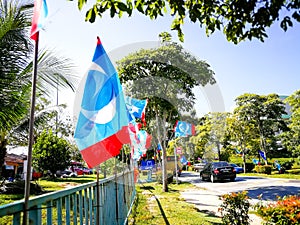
206, 196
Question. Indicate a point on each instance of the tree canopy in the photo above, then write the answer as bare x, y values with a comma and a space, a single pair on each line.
239, 20
51, 152
165, 76
291, 138
265, 113
16, 53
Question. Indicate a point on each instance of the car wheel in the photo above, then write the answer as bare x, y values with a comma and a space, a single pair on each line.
232, 179
201, 177
212, 179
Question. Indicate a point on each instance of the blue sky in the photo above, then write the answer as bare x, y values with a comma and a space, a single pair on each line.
249, 67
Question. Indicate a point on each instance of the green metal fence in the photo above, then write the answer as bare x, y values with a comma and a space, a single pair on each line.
107, 203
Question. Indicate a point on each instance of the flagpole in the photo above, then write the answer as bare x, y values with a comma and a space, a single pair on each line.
98, 198
31, 124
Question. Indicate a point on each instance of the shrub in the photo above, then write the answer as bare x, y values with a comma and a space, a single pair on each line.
285, 211
266, 169
287, 165
249, 167
234, 208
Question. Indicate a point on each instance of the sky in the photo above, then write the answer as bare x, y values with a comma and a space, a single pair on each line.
249, 67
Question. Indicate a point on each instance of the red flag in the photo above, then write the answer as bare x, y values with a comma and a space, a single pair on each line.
40, 12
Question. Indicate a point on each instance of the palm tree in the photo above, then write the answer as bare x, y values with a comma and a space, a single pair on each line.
16, 55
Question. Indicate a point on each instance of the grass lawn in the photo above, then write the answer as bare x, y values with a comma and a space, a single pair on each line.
153, 206
47, 186
273, 175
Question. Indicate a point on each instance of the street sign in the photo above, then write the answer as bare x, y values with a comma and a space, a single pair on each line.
178, 150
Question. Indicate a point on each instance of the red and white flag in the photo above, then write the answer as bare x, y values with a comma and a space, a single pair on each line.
40, 13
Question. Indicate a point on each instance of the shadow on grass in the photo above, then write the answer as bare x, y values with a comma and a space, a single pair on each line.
149, 188
75, 180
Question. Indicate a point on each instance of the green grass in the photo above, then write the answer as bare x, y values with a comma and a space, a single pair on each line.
50, 186
153, 206
62, 183
274, 175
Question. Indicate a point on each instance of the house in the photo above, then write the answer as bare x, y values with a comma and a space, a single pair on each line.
13, 165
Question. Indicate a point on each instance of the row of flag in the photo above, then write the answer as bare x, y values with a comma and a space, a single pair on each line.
106, 119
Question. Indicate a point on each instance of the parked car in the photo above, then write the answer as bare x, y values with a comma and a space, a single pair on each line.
82, 171
237, 168
199, 166
66, 173
214, 171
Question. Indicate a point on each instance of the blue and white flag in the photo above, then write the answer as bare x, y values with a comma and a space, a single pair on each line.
100, 110
262, 154
136, 108
183, 129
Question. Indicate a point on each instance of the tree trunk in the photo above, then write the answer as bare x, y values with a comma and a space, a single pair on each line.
164, 156
3, 149
219, 150
244, 160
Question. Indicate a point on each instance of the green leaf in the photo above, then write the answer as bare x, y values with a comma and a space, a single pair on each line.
81, 3
112, 11
121, 6
90, 16
296, 16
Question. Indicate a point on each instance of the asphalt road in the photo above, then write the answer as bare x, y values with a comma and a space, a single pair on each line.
269, 188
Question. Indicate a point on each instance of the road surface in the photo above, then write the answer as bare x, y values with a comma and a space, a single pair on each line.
207, 197
269, 188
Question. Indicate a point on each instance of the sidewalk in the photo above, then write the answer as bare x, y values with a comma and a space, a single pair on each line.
208, 202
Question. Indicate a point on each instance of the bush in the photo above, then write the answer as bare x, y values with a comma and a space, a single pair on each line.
266, 169
285, 211
249, 167
287, 165
234, 208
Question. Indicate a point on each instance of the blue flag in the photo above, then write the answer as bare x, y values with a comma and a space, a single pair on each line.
136, 108
183, 160
262, 154
102, 119
183, 129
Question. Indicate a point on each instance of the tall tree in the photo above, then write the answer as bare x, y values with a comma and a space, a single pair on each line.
210, 135
265, 112
166, 77
291, 138
51, 152
242, 136
239, 20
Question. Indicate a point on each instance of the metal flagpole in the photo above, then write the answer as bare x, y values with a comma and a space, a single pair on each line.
98, 197
31, 124
116, 187
175, 155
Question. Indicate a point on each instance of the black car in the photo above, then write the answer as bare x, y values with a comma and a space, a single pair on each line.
214, 171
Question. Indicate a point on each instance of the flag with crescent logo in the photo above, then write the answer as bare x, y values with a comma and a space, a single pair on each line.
183, 129
100, 110
40, 13
136, 108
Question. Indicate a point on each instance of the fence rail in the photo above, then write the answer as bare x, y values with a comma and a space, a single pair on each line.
108, 202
